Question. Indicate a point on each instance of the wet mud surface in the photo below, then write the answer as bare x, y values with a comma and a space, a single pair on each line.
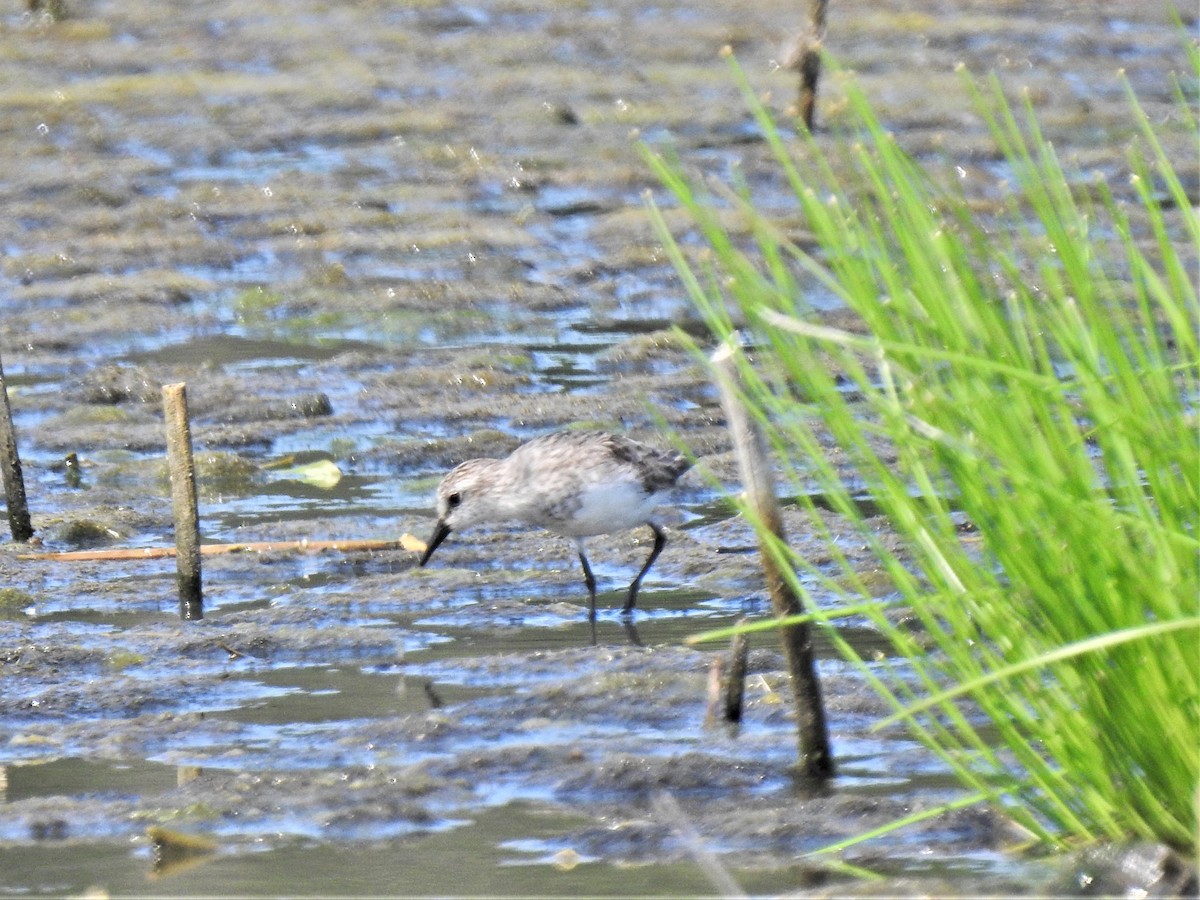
396, 236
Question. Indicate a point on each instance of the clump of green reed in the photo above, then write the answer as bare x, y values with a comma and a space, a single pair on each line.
1033, 375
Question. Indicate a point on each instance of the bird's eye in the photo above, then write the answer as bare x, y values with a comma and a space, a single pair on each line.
454, 499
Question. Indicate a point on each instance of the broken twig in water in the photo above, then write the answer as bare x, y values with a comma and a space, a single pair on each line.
10, 470
183, 501
233, 654
804, 56
816, 759
735, 681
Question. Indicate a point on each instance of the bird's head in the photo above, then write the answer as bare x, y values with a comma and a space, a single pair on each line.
464, 498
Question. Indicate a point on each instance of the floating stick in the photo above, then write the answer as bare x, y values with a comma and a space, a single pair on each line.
406, 542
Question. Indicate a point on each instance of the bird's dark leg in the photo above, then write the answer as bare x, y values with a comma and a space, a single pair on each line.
590, 580
660, 541
631, 632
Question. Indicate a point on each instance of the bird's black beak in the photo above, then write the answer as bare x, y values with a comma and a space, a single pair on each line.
439, 534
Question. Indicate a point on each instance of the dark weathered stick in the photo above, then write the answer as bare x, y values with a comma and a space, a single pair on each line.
804, 56
10, 470
816, 759
183, 501
735, 681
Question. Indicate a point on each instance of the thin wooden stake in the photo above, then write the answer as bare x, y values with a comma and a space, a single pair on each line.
816, 759
183, 501
10, 471
735, 681
804, 56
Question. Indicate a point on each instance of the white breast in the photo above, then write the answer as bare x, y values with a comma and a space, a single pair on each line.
605, 508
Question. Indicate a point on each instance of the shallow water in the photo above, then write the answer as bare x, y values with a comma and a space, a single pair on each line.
430, 216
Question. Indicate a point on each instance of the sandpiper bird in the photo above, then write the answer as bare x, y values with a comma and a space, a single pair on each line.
576, 484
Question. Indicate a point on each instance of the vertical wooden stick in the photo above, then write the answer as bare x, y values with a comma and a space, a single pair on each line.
816, 759
735, 681
183, 501
809, 63
10, 471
